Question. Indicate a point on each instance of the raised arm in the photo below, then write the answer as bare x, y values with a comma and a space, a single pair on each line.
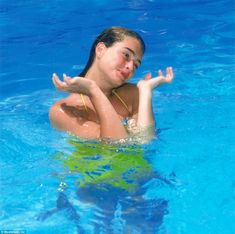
146, 86
110, 123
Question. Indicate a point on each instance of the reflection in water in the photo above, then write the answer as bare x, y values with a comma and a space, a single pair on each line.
109, 178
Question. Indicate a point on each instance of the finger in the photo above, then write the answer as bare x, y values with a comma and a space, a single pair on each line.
167, 70
54, 76
65, 76
58, 83
58, 87
170, 73
160, 73
55, 80
148, 76
67, 79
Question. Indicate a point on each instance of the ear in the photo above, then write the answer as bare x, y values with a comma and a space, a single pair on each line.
100, 49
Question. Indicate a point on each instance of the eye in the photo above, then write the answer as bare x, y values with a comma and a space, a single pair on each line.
126, 55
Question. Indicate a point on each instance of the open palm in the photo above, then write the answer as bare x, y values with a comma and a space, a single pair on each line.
73, 85
150, 82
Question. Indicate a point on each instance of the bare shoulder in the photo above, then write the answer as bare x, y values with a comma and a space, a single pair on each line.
64, 113
63, 109
128, 88
67, 116
129, 91
57, 115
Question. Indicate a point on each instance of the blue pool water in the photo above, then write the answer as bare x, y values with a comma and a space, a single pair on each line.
183, 182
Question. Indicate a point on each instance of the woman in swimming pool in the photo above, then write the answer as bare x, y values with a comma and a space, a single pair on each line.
102, 104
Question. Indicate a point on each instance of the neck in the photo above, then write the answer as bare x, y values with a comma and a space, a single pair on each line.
99, 78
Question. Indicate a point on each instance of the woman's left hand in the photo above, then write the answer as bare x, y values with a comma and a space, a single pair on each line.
149, 83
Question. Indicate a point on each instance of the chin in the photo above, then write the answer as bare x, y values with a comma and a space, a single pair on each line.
120, 82
120, 79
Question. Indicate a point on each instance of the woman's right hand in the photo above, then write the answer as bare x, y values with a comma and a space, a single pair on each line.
74, 85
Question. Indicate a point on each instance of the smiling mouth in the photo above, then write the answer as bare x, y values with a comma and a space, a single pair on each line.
124, 76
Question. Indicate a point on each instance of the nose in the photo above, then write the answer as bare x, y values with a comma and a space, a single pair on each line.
130, 66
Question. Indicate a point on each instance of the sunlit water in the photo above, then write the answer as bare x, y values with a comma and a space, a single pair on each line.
182, 182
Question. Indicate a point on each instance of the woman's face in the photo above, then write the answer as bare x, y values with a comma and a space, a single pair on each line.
120, 61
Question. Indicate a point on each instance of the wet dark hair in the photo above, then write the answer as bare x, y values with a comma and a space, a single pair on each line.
110, 36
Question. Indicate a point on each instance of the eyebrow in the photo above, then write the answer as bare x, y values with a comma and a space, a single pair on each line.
133, 54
